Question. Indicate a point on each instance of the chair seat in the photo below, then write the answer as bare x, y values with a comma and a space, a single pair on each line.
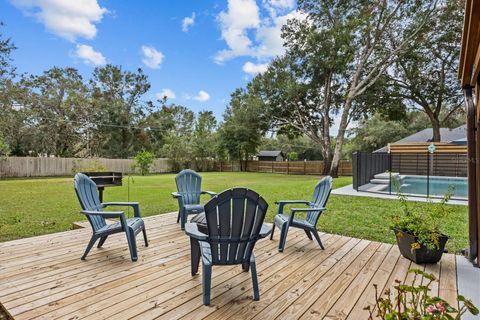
194, 208
134, 223
280, 219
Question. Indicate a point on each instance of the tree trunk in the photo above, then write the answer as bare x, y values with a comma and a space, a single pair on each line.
436, 129
337, 154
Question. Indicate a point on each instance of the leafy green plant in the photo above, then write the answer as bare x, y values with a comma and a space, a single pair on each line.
409, 302
143, 161
90, 166
422, 221
293, 156
4, 149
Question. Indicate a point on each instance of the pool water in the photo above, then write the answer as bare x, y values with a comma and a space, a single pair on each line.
438, 186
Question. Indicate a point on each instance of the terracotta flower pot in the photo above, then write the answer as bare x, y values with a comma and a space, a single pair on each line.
423, 254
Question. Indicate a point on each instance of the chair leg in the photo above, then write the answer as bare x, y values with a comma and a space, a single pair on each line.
145, 236
183, 220
132, 245
207, 282
253, 268
195, 255
179, 214
315, 233
283, 237
102, 241
273, 230
89, 246
309, 235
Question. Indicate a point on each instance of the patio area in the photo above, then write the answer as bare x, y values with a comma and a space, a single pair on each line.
44, 278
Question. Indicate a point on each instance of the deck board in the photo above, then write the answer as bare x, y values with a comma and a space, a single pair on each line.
44, 278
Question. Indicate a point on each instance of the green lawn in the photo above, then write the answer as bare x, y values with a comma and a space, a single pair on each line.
31, 207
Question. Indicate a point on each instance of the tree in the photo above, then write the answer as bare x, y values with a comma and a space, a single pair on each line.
241, 131
298, 96
204, 140
59, 105
116, 97
4, 149
425, 77
363, 29
143, 161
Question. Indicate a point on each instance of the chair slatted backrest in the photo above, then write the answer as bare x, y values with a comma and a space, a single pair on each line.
234, 220
320, 198
189, 185
87, 194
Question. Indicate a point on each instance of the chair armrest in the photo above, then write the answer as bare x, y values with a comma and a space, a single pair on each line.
105, 214
211, 193
191, 230
292, 202
176, 195
293, 210
265, 231
134, 205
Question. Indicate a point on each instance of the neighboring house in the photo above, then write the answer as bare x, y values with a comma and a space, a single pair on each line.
271, 156
454, 136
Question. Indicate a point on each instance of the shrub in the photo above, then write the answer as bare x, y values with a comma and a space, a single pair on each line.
143, 161
293, 156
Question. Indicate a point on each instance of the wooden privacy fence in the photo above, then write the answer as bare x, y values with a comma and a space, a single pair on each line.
43, 166
13, 167
286, 167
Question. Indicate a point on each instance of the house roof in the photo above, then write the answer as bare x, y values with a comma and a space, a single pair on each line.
269, 153
446, 135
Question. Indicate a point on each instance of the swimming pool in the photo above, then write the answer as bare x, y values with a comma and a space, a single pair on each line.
438, 186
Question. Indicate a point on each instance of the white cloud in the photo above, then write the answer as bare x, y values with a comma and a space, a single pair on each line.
240, 16
166, 93
280, 4
248, 34
68, 19
202, 96
89, 55
253, 69
152, 58
187, 22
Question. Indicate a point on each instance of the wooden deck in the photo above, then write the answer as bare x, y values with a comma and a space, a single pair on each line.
44, 278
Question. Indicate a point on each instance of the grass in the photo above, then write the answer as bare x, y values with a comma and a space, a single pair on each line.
30, 207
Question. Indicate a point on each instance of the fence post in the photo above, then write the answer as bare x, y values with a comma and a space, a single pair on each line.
288, 167
305, 167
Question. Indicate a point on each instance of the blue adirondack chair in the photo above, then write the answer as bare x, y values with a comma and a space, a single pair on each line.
87, 194
234, 221
315, 209
189, 190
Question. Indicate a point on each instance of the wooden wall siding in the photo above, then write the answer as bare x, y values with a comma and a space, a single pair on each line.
42, 167
285, 167
450, 165
423, 148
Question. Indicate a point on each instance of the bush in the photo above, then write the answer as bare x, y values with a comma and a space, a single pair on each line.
143, 161
293, 156
4, 149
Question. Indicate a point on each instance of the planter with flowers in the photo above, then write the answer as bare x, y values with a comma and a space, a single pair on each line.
418, 229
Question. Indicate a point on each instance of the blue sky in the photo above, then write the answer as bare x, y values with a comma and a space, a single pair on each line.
196, 51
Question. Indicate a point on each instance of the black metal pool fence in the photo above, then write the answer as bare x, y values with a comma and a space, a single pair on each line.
367, 168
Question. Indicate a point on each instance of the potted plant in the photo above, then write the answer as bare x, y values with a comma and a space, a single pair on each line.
415, 302
418, 229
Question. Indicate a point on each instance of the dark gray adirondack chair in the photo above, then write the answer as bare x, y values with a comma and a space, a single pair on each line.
315, 209
189, 186
234, 222
87, 194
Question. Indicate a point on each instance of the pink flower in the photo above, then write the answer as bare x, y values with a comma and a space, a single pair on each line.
431, 309
440, 307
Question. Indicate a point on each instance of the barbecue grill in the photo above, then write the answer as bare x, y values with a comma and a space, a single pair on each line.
104, 180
